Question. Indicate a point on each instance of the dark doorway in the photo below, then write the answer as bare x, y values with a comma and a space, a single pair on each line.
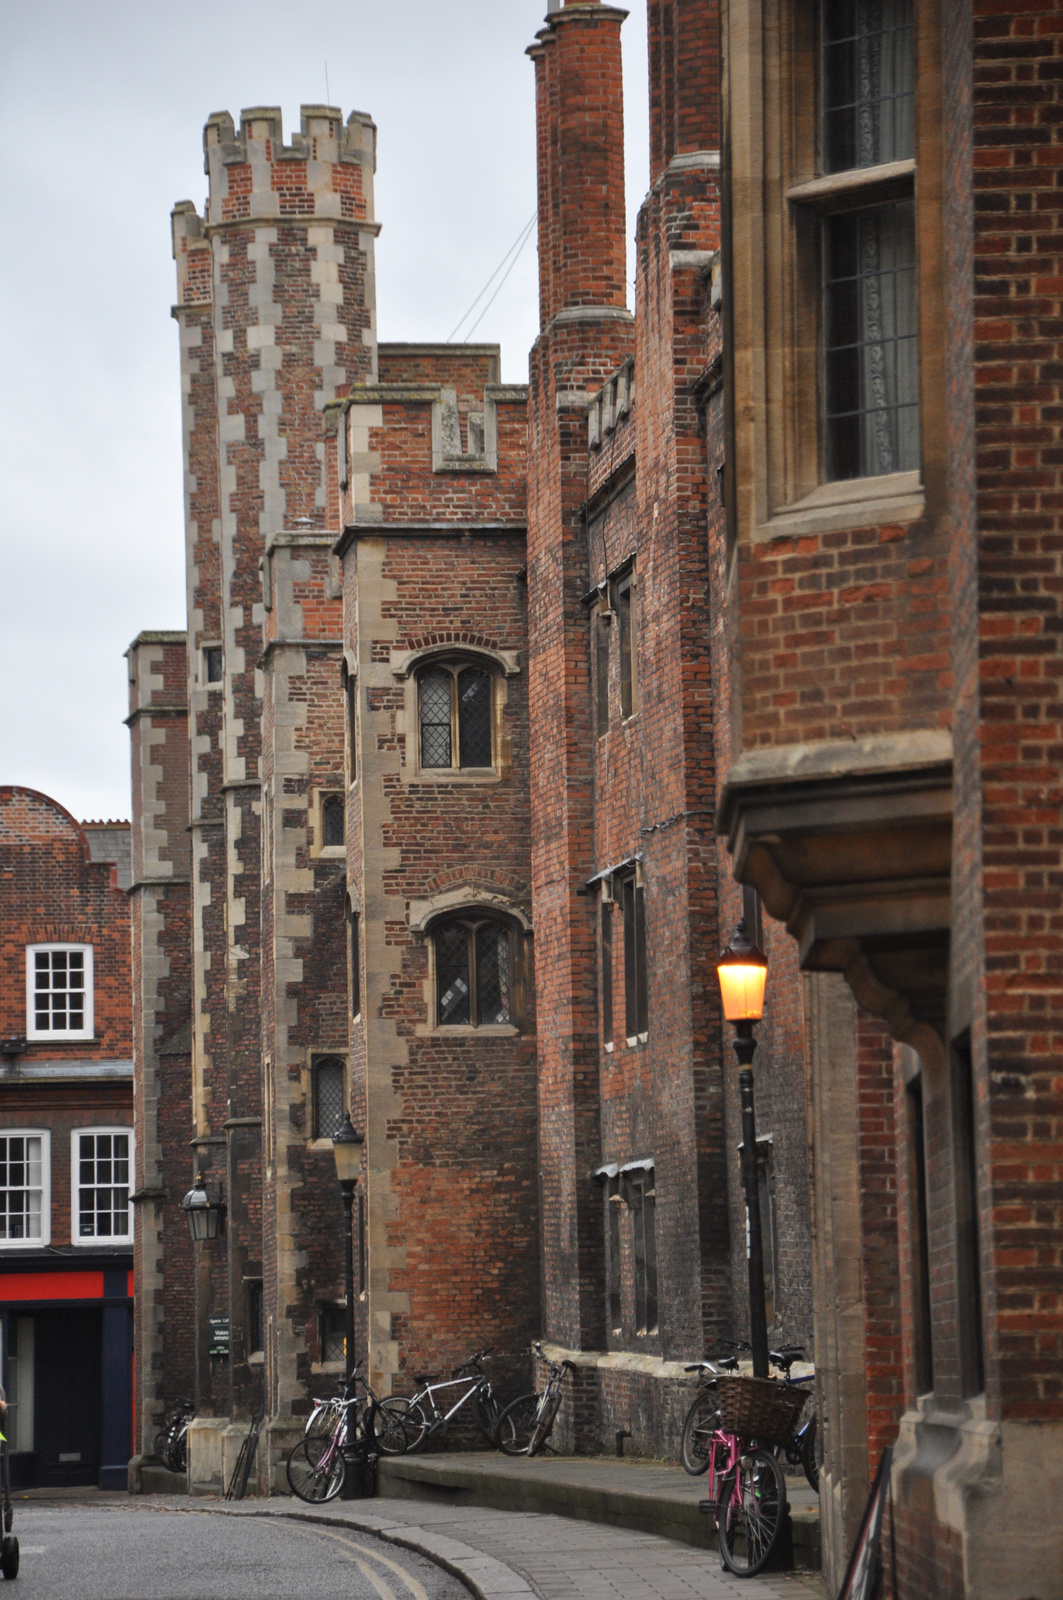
68, 1359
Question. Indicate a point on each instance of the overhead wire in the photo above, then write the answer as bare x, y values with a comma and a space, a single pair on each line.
512, 256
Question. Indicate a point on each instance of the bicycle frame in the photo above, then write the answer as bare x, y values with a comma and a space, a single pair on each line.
430, 1390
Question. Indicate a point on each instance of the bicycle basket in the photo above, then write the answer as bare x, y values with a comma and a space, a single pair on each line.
760, 1408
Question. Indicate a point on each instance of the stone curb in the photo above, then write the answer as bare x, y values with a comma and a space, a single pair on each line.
484, 1576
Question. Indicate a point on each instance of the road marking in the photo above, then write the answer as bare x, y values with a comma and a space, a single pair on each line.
416, 1589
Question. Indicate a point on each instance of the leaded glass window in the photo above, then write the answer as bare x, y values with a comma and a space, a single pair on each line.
435, 690
474, 973
329, 1101
474, 717
453, 974
332, 832
456, 714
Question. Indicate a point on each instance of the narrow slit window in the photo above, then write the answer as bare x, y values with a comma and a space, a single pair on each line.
920, 1239
350, 695
601, 625
333, 832
633, 910
355, 964
968, 1242
625, 606
329, 1097
607, 971
613, 1206
212, 663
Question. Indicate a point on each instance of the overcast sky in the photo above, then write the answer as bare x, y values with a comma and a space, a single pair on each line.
102, 106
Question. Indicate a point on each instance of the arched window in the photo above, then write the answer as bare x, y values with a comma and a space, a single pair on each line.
455, 705
475, 959
329, 1099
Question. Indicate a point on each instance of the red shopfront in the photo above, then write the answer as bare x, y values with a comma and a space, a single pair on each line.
67, 1350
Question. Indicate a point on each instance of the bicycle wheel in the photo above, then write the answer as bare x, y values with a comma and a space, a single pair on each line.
413, 1420
702, 1420
179, 1450
486, 1410
163, 1446
809, 1461
750, 1512
544, 1425
516, 1425
316, 1469
385, 1430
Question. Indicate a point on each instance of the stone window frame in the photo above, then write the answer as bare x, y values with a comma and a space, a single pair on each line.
501, 665
316, 1057
773, 304
52, 1035
97, 1241
205, 651
465, 904
632, 1308
349, 688
44, 1239
319, 850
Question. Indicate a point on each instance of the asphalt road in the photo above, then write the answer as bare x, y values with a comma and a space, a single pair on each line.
81, 1553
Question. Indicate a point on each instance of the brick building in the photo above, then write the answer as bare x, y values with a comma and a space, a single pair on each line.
474, 681
66, 1136
443, 771
888, 586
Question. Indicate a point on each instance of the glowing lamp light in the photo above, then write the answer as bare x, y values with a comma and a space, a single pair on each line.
743, 973
347, 1149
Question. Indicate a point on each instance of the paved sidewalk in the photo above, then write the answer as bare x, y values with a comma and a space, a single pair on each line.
651, 1496
516, 1555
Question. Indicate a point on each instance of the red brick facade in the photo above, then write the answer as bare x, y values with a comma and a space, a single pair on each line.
66, 1074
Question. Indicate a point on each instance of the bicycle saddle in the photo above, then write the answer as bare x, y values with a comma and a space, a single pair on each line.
425, 1377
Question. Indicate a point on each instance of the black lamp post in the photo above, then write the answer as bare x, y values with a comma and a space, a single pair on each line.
743, 973
347, 1149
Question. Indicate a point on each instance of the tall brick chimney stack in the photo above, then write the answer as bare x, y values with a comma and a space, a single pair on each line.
684, 50
586, 333
580, 113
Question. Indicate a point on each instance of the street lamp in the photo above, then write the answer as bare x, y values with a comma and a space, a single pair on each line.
347, 1149
204, 1212
743, 972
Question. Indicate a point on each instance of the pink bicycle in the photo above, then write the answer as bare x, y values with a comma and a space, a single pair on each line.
746, 1485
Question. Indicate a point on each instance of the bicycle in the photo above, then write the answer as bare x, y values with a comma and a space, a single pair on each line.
171, 1442
747, 1493
316, 1467
420, 1416
703, 1416
800, 1451
525, 1424
389, 1434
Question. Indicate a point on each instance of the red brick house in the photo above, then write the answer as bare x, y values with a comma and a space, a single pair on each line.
66, 1142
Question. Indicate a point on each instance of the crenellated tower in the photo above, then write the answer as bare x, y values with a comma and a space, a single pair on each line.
276, 309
